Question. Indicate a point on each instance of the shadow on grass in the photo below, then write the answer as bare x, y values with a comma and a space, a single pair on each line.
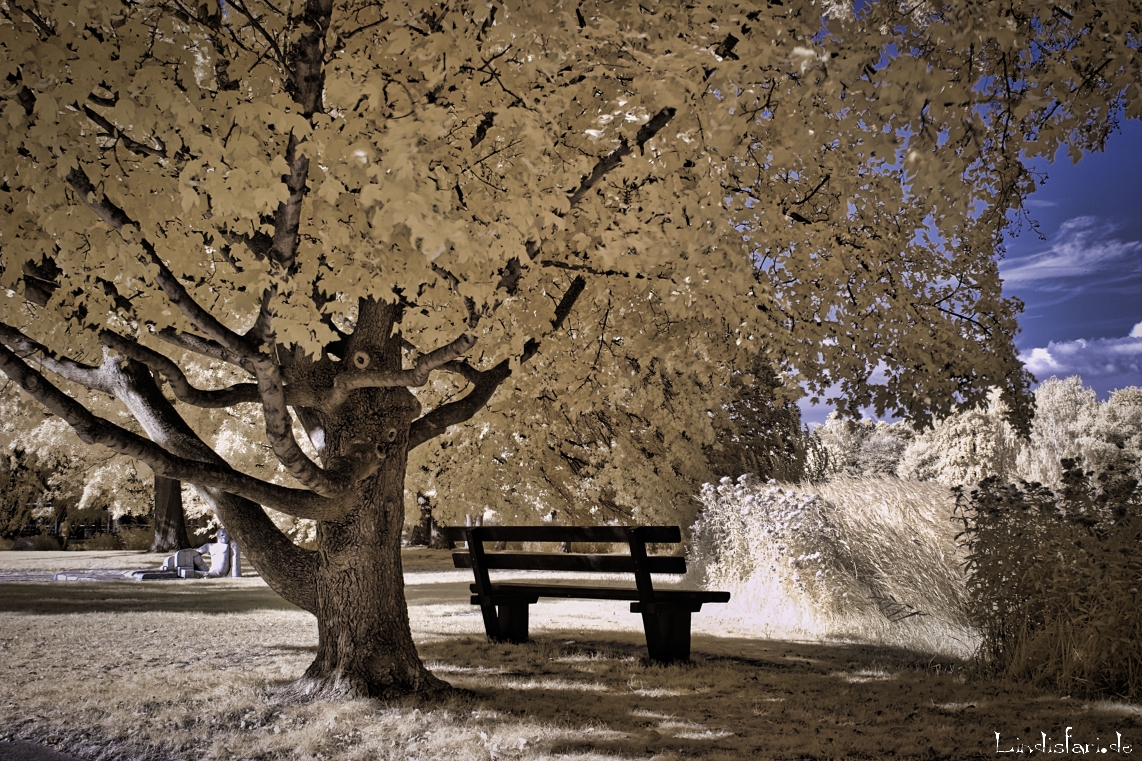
746, 698
55, 598
585, 694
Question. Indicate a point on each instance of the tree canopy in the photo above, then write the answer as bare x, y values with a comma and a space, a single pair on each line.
383, 216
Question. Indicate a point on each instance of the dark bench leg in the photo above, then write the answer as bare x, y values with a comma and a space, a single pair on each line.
668, 634
513, 621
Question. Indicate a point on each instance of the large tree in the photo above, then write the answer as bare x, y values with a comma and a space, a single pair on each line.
387, 214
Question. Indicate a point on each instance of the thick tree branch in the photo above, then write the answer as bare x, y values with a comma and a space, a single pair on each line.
605, 165
484, 383
287, 568
279, 431
570, 296
133, 146
203, 346
436, 422
287, 219
95, 430
306, 71
454, 284
85, 375
470, 374
42, 26
418, 375
261, 332
174, 290
237, 394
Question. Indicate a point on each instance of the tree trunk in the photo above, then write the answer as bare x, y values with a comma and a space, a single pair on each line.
353, 583
170, 520
421, 534
365, 642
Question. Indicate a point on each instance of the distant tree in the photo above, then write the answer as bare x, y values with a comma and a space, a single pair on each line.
343, 200
964, 448
23, 484
1062, 409
1113, 440
758, 429
63, 474
855, 448
841, 439
1070, 423
883, 447
169, 516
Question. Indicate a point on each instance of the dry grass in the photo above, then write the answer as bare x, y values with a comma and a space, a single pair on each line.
195, 670
871, 560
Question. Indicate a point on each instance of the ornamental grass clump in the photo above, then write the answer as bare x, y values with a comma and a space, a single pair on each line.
1054, 581
871, 559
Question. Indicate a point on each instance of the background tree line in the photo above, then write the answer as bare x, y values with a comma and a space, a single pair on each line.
610, 465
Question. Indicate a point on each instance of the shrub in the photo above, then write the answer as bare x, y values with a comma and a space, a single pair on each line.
1054, 581
101, 542
135, 538
872, 559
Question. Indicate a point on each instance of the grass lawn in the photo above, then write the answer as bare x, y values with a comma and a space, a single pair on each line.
195, 670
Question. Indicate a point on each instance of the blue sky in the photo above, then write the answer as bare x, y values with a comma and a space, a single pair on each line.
1081, 282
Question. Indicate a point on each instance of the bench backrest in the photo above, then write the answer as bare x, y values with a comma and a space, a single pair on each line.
636, 538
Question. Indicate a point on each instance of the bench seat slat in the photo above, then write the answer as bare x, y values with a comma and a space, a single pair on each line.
569, 591
609, 534
539, 561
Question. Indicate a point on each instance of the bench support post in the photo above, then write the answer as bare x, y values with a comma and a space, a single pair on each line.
512, 615
667, 630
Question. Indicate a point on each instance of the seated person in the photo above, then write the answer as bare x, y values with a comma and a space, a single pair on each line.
219, 551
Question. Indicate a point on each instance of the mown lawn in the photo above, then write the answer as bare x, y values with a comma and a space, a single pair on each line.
196, 670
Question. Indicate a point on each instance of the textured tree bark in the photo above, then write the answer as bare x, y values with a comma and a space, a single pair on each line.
170, 520
365, 645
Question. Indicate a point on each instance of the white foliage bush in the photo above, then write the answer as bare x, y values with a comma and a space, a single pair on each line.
1071, 423
748, 538
853, 448
871, 559
964, 448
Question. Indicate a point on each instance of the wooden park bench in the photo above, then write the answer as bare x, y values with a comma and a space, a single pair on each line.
665, 612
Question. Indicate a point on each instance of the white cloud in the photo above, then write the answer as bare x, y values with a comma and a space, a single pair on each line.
1083, 246
1118, 359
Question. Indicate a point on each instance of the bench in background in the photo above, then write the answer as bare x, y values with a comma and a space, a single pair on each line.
665, 612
